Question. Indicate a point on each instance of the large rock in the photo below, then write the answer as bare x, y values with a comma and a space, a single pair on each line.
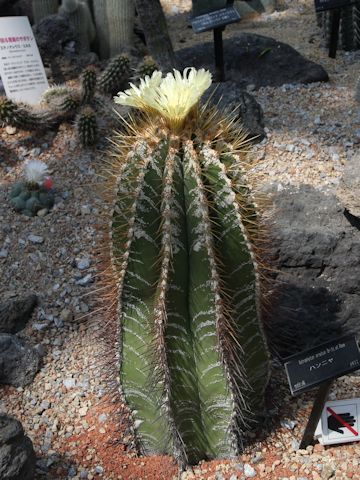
19, 362
15, 314
349, 188
228, 96
256, 60
17, 456
54, 36
317, 251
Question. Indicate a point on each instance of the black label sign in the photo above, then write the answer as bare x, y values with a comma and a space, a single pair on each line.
321, 5
330, 360
216, 19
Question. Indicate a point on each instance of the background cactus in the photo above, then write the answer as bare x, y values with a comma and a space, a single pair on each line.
43, 8
194, 363
120, 22
147, 67
86, 126
79, 16
34, 193
22, 116
349, 31
115, 76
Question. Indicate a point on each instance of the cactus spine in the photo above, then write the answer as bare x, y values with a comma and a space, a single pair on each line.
43, 8
193, 359
79, 16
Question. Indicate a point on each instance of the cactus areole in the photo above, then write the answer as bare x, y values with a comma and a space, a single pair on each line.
193, 359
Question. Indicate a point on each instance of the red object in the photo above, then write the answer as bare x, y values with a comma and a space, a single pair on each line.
339, 419
48, 183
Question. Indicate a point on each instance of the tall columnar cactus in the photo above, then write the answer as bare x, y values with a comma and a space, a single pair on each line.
102, 39
193, 358
120, 20
349, 31
79, 16
43, 8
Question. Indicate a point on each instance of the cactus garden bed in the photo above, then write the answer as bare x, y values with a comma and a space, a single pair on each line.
72, 411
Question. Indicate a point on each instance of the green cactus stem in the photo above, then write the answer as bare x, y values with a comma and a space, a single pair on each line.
120, 21
102, 38
147, 67
193, 359
22, 116
79, 16
115, 76
29, 199
86, 126
44, 8
88, 84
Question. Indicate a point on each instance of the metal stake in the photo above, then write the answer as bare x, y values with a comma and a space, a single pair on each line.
219, 55
334, 35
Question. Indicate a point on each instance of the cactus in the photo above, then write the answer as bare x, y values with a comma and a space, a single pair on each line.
357, 91
86, 126
43, 8
79, 16
102, 39
88, 84
349, 31
34, 193
22, 116
147, 67
120, 16
193, 359
115, 76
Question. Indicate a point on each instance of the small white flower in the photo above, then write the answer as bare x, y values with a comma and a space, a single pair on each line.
35, 171
172, 96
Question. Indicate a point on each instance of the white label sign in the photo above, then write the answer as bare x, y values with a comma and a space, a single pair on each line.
21, 68
340, 422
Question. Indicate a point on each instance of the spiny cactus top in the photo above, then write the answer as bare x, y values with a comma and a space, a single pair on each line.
193, 359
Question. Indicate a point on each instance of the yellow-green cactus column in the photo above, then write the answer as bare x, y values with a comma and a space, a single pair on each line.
193, 359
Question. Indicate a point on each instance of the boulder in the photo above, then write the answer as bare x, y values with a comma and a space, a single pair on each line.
17, 456
54, 36
15, 314
256, 60
228, 96
316, 249
19, 362
349, 187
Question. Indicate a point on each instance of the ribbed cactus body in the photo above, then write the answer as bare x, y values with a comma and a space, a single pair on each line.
349, 30
22, 116
43, 8
86, 126
79, 16
120, 22
102, 38
29, 199
115, 76
194, 363
88, 84
147, 67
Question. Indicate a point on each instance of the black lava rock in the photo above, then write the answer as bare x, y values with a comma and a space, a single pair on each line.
19, 362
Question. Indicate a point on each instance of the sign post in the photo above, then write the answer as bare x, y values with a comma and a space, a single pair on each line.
320, 366
335, 6
21, 68
217, 20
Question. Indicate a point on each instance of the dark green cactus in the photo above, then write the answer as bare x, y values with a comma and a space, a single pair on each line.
115, 76
349, 30
147, 67
193, 358
22, 116
29, 199
88, 84
86, 126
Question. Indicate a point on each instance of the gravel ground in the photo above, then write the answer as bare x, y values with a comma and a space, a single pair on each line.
77, 430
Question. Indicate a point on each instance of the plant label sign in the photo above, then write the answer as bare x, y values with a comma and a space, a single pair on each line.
312, 367
321, 5
340, 422
215, 19
21, 68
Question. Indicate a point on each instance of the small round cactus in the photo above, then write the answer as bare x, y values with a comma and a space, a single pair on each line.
147, 67
86, 126
34, 192
115, 76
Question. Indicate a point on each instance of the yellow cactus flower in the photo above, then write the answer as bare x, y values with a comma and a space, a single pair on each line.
172, 96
